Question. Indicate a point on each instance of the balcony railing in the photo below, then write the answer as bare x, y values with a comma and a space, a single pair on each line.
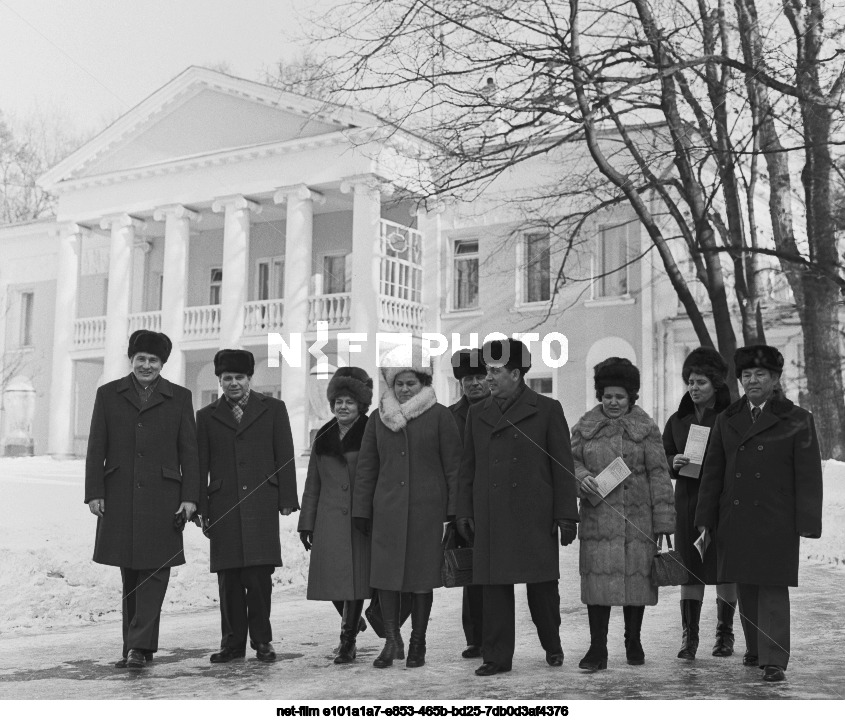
202, 322
145, 321
263, 316
89, 332
335, 309
400, 316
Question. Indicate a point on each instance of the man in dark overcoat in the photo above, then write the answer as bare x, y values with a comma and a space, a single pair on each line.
247, 478
469, 369
761, 491
516, 489
142, 483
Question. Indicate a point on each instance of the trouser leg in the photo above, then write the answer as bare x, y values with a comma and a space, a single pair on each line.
499, 631
748, 603
144, 597
544, 605
258, 582
471, 614
339, 607
129, 578
773, 622
233, 619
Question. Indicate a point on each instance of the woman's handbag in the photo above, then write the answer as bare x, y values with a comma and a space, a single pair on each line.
457, 562
667, 567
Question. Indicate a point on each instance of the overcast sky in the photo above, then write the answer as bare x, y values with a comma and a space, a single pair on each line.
95, 59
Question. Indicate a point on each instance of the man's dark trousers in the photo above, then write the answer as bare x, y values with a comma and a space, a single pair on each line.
764, 612
245, 595
499, 630
143, 596
471, 614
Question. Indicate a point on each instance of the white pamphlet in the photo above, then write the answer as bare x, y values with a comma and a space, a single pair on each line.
609, 478
702, 542
695, 450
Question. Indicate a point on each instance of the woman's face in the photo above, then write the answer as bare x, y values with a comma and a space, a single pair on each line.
614, 401
346, 410
406, 386
700, 388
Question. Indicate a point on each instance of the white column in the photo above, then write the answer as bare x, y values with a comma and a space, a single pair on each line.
174, 286
299, 235
235, 266
123, 226
140, 250
366, 264
69, 238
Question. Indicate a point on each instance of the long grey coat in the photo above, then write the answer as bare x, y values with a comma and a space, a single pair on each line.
340, 555
143, 462
516, 479
248, 476
761, 486
616, 535
406, 483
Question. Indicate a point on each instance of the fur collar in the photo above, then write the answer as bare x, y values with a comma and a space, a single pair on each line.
687, 408
329, 443
395, 415
637, 424
778, 404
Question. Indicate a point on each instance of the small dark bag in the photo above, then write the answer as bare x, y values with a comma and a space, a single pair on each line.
667, 567
457, 562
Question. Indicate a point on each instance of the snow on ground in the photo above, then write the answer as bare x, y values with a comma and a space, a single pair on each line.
47, 578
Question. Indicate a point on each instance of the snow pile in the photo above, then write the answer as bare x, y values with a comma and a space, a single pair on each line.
830, 548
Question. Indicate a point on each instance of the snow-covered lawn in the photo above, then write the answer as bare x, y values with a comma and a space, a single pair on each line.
47, 578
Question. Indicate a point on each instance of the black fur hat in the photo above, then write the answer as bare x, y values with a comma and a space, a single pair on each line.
510, 351
234, 361
617, 372
148, 341
707, 362
468, 362
354, 382
758, 356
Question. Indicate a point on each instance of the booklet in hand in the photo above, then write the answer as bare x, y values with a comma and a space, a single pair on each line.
609, 478
694, 450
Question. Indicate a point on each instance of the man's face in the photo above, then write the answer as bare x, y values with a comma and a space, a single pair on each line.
502, 381
234, 385
475, 387
758, 384
146, 367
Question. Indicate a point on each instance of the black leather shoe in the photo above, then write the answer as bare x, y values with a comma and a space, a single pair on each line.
773, 673
224, 655
554, 659
488, 668
750, 660
148, 656
135, 659
471, 652
265, 652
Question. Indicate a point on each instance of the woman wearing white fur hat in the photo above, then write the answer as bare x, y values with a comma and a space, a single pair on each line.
405, 489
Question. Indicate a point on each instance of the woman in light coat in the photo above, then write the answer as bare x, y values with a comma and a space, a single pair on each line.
617, 535
405, 489
340, 554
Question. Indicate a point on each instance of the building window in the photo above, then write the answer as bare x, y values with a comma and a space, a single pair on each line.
466, 274
270, 280
543, 386
27, 303
612, 259
538, 287
215, 285
336, 274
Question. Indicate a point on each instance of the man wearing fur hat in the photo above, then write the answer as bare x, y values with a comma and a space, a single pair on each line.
761, 491
469, 369
516, 490
142, 483
247, 478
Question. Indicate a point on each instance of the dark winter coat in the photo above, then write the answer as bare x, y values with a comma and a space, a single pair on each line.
406, 483
761, 487
460, 411
143, 462
248, 475
686, 488
516, 479
616, 536
340, 555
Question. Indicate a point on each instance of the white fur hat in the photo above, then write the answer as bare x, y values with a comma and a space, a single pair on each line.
405, 358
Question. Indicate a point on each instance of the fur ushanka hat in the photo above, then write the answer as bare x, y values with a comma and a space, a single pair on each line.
148, 341
353, 382
513, 352
758, 356
617, 372
405, 358
234, 361
468, 362
707, 362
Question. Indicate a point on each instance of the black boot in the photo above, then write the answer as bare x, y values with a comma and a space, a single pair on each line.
420, 613
724, 628
596, 658
347, 650
690, 615
633, 624
393, 644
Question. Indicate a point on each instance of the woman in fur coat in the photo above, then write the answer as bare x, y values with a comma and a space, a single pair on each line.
405, 489
617, 535
340, 554
704, 371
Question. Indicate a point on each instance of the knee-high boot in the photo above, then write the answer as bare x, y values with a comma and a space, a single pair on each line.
633, 624
347, 650
420, 613
690, 616
394, 647
724, 628
596, 658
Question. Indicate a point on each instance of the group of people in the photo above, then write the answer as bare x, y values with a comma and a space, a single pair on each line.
500, 465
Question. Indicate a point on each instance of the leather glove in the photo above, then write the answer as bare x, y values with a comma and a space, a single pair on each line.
568, 530
362, 525
307, 538
466, 529
197, 519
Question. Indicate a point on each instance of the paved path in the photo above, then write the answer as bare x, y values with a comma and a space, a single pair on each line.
76, 663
